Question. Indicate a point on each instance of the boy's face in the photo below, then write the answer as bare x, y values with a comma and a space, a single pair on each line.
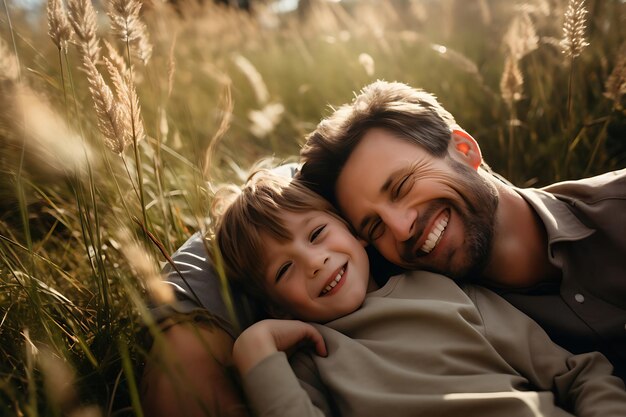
319, 275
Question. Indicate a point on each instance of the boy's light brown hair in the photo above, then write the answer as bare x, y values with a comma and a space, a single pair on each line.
253, 213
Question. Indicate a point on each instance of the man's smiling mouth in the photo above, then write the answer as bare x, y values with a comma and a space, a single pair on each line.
435, 233
334, 281
437, 229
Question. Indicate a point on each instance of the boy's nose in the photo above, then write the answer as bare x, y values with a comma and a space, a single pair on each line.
317, 264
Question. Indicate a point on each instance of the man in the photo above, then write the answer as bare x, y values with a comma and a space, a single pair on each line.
414, 185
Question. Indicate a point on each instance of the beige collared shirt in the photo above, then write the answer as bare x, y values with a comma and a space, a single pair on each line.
586, 225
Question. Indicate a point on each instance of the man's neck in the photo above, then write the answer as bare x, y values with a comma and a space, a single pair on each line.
519, 256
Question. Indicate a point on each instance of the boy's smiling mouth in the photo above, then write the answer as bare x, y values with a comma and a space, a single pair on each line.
334, 280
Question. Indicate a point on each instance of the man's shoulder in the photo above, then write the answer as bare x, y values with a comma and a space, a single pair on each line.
611, 185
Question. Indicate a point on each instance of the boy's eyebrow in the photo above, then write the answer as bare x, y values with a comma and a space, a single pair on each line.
305, 222
302, 225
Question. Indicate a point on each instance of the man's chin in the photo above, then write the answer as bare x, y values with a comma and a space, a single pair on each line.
456, 272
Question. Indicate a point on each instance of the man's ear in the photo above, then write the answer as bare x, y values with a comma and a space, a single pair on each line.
464, 148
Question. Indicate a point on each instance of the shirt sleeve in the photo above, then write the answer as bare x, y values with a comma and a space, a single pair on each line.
199, 291
273, 390
582, 384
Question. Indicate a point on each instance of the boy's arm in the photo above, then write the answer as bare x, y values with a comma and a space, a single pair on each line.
269, 381
583, 384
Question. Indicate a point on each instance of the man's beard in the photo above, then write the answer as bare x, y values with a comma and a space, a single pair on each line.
478, 215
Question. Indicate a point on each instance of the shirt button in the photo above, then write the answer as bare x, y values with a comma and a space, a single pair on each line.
579, 298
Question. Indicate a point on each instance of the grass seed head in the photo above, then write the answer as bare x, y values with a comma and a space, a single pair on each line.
574, 41
521, 37
615, 86
59, 28
85, 23
512, 81
126, 23
112, 121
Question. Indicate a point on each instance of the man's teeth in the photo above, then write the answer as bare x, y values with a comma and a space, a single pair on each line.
334, 282
434, 235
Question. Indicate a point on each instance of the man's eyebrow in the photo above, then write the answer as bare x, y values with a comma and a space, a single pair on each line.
362, 225
383, 189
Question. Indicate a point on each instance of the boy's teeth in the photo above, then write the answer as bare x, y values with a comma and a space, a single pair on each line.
334, 282
434, 235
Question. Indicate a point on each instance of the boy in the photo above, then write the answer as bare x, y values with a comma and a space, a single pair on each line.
420, 345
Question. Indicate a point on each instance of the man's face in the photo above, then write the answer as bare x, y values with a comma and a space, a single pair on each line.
419, 211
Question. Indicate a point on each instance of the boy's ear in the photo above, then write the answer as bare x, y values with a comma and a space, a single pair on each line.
464, 148
363, 242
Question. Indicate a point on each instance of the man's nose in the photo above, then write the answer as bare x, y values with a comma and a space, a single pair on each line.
400, 221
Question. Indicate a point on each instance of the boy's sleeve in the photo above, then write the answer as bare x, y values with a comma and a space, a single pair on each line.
582, 384
199, 292
273, 390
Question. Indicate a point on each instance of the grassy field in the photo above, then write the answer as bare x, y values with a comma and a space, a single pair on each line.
116, 125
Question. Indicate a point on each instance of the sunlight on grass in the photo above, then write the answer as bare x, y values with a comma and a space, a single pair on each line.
114, 135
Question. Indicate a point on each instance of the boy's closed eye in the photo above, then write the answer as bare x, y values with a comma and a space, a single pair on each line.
316, 232
281, 271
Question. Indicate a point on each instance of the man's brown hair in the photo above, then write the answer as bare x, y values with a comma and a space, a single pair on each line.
411, 113
253, 213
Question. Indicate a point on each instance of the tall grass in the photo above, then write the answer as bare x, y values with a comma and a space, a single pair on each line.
116, 124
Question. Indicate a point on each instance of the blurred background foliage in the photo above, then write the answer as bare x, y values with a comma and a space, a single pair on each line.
224, 86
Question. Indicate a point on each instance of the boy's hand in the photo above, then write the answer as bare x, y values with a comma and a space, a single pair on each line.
269, 336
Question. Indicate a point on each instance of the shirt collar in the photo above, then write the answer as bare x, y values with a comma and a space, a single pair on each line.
560, 223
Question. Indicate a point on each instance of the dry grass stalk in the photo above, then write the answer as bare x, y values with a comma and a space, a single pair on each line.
485, 12
227, 106
111, 119
615, 86
144, 267
512, 81
86, 411
49, 142
254, 77
59, 28
84, 21
537, 8
368, 64
58, 379
457, 59
521, 37
127, 101
125, 22
9, 68
171, 66
264, 121
574, 41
